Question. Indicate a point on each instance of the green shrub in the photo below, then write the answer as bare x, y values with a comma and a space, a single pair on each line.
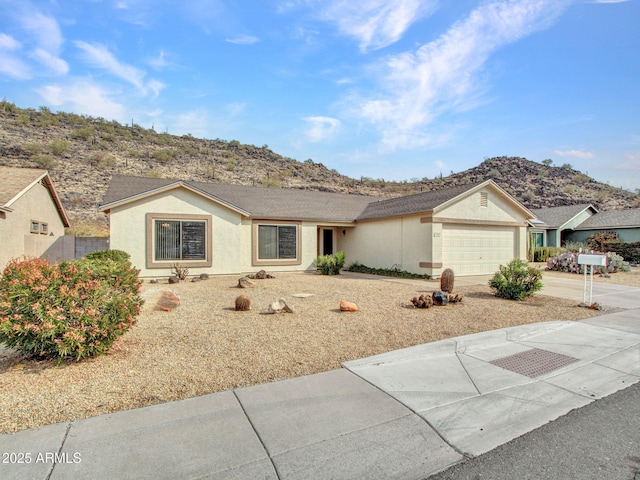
573, 247
516, 281
83, 133
330, 264
389, 272
75, 309
115, 255
59, 146
629, 250
44, 160
542, 254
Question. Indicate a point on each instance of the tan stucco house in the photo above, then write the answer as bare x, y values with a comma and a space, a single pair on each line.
228, 229
32, 219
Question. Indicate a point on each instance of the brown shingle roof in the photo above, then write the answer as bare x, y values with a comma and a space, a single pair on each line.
257, 202
282, 204
410, 204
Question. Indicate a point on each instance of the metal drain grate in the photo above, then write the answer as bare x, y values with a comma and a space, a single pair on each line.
534, 362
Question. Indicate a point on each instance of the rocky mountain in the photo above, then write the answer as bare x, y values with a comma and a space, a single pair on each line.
81, 153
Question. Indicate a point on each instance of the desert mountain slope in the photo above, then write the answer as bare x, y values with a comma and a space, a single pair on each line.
81, 153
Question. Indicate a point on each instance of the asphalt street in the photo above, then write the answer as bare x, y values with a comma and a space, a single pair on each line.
600, 441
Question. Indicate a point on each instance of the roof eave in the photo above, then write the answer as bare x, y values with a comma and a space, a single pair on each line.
106, 208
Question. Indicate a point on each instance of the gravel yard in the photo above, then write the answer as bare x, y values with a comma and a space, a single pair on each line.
205, 346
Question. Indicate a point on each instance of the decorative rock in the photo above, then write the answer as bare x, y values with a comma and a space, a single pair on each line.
455, 298
346, 306
195, 279
244, 282
423, 301
440, 298
279, 306
243, 303
261, 275
167, 302
153, 280
204, 276
174, 279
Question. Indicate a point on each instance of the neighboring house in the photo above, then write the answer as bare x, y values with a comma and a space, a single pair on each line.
554, 224
32, 219
228, 229
575, 223
625, 223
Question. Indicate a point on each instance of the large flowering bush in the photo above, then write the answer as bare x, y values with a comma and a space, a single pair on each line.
74, 309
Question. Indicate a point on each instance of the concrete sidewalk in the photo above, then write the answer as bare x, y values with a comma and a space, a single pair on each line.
405, 414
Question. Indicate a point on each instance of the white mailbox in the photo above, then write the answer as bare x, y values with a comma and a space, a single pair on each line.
592, 259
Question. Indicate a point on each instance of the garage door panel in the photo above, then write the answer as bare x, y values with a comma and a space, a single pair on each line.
475, 250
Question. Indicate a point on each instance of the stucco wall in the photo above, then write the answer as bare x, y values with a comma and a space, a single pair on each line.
498, 208
15, 237
231, 234
402, 242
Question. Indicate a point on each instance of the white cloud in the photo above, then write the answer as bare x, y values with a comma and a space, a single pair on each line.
158, 62
7, 42
156, 86
321, 128
56, 65
193, 122
445, 75
84, 97
100, 57
45, 37
574, 153
376, 23
14, 67
44, 30
243, 40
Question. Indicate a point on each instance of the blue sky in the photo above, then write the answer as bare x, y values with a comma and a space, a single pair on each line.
397, 90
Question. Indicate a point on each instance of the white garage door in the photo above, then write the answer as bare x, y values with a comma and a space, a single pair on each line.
471, 250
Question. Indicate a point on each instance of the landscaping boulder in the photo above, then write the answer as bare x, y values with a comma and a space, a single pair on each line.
174, 279
261, 275
346, 306
244, 282
440, 298
279, 306
167, 302
204, 276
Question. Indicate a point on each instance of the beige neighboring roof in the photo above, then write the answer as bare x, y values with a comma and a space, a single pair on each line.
15, 182
291, 204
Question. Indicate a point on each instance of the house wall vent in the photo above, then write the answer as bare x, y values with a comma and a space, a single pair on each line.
484, 199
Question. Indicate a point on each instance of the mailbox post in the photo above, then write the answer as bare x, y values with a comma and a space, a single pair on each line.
590, 260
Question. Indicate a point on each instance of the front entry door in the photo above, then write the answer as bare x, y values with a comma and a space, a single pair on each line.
327, 241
